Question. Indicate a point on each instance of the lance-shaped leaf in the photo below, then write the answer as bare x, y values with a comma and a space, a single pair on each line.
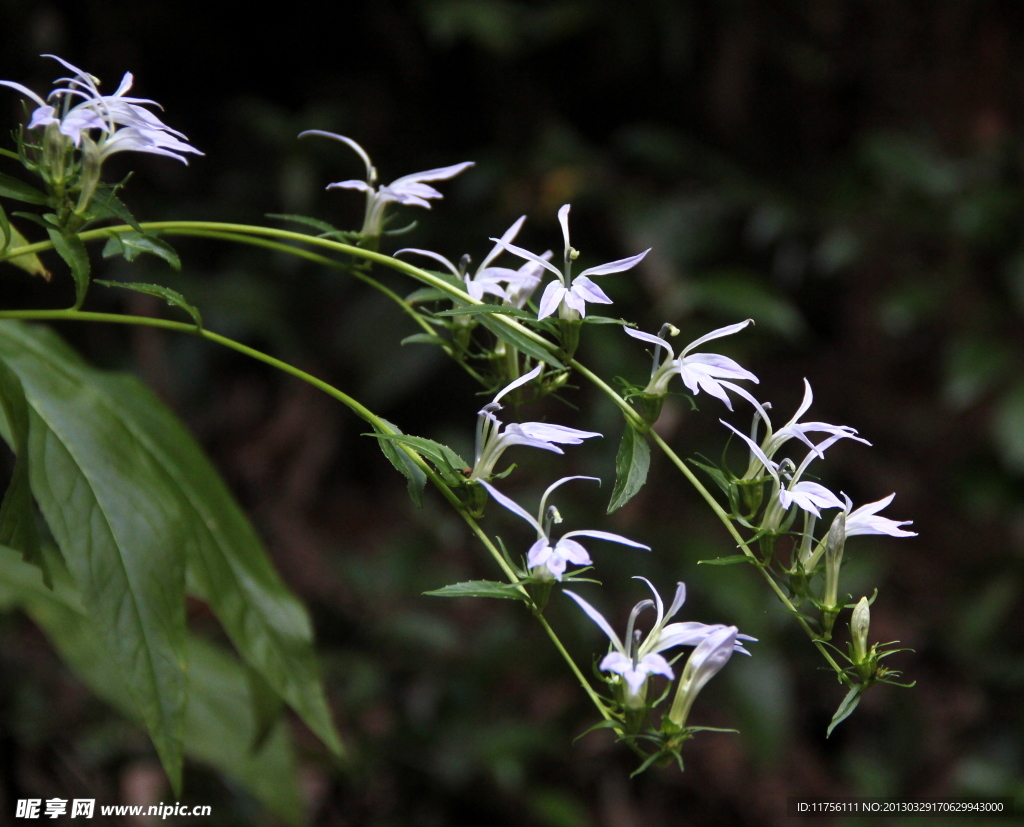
846, 708
172, 297
30, 263
227, 565
481, 588
70, 248
17, 512
131, 245
631, 466
20, 191
403, 463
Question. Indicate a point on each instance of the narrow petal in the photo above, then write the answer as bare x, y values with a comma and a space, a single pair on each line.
347, 141
728, 330
506, 237
524, 253
512, 506
517, 383
555, 433
616, 266
24, 90
650, 338
436, 256
439, 174
563, 219
607, 535
755, 449
658, 604
598, 618
353, 184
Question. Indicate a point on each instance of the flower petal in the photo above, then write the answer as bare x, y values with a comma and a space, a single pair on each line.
607, 535
598, 618
551, 299
650, 338
728, 330
512, 506
436, 256
349, 142
522, 380
616, 266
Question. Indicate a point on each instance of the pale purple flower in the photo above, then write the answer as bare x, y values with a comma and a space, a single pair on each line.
547, 559
409, 189
492, 438
709, 372
488, 280
123, 122
865, 520
569, 296
637, 657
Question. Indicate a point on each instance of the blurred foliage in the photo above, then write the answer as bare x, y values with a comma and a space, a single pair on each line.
848, 175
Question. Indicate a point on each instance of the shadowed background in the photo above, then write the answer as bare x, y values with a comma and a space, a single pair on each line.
847, 174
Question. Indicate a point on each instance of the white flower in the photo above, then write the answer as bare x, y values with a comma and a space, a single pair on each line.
569, 295
636, 657
547, 559
709, 372
491, 440
123, 122
409, 189
864, 520
487, 279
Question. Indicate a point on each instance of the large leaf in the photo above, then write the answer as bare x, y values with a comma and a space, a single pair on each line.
404, 464
221, 723
114, 515
227, 565
631, 465
17, 512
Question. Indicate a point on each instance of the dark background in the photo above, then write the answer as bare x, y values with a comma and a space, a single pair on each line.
846, 173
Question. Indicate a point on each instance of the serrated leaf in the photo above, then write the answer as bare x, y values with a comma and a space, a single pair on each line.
227, 565
520, 342
315, 223
30, 263
110, 206
719, 478
404, 465
70, 248
846, 708
449, 464
20, 191
632, 463
481, 588
17, 512
172, 297
730, 560
131, 245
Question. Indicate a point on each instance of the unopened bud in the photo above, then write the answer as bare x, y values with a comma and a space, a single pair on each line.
834, 544
859, 625
573, 254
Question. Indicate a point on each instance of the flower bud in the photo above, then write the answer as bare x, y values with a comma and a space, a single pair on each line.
711, 654
859, 625
834, 544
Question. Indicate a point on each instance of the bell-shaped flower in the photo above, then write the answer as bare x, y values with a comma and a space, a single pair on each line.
409, 189
865, 520
569, 296
547, 559
636, 657
709, 372
492, 437
122, 122
487, 279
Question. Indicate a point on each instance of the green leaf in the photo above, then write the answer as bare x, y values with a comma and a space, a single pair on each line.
22, 582
267, 707
481, 588
110, 206
110, 508
448, 463
131, 245
631, 465
70, 248
427, 294
520, 341
731, 560
477, 309
20, 191
219, 725
424, 339
403, 464
227, 565
17, 512
172, 297
30, 263
846, 707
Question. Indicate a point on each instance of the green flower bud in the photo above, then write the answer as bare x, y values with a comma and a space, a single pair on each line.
859, 626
